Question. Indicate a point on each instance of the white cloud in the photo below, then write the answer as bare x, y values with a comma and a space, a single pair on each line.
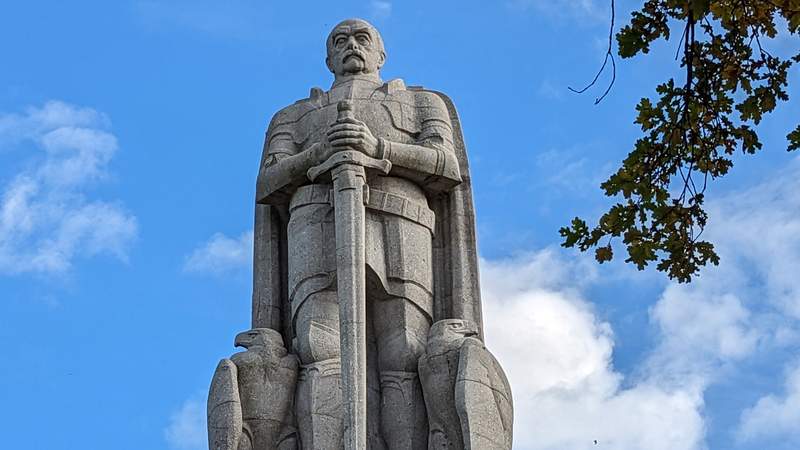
749, 304
731, 310
558, 356
36, 121
758, 231
718, 325
752, 300
221, 255
380, 9
187, 426
774, 416
702, 333
47, 217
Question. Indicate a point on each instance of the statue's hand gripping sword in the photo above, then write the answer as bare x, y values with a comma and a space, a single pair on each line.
348, 172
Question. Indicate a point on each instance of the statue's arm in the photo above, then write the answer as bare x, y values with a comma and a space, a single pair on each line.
432, 155
283, 165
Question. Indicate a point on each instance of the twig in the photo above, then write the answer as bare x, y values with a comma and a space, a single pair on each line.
609, 56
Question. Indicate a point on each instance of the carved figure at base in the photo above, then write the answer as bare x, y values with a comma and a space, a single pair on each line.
466, 391
250, 404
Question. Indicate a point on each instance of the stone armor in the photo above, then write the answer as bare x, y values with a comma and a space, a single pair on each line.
400, 223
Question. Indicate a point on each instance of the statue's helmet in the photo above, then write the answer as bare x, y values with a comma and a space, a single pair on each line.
259, 337
354, 47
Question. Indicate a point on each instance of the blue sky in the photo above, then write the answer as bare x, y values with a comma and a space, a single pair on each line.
130, 134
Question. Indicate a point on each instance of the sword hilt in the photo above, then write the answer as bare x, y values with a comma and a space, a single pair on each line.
345, 110
351, 157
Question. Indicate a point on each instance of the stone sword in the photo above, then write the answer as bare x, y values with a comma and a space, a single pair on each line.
347, 170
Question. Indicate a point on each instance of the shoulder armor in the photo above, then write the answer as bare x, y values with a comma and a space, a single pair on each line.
315, 93
429, 99
393, 86
300, 108
410, 108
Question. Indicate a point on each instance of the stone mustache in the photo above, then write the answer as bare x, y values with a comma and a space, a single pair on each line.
367, 329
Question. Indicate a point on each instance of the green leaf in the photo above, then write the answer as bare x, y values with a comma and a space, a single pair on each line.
700, 8
794, 139
691, 127
575, 234
603, 254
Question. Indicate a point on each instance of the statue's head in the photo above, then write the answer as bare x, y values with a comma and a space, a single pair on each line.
355, 48
259, 337
448, 333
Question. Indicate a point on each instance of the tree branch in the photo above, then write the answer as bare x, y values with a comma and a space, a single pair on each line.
609, 56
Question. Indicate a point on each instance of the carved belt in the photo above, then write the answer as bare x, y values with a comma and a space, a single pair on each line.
400, 206
375, 199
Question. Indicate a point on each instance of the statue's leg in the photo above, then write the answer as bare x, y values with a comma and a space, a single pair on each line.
319, 395
401, 330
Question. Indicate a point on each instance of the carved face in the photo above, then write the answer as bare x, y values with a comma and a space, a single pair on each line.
355, 48
452, 330
259, 337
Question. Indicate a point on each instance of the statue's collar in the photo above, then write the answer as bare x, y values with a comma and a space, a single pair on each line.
358, 79
362, 83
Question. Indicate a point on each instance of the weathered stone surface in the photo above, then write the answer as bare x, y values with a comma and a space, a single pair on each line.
364, 237
224, 408
251, 397
483, 399
467, 394
438, 370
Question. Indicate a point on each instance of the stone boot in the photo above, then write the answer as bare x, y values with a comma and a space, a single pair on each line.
403, 417
319, 405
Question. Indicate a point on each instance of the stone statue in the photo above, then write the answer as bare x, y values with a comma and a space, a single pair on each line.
364, 237
467, 394
251, 397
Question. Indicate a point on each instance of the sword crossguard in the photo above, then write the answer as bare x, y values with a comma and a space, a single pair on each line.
349, 157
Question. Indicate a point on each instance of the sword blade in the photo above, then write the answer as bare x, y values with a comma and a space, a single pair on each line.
348, 198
